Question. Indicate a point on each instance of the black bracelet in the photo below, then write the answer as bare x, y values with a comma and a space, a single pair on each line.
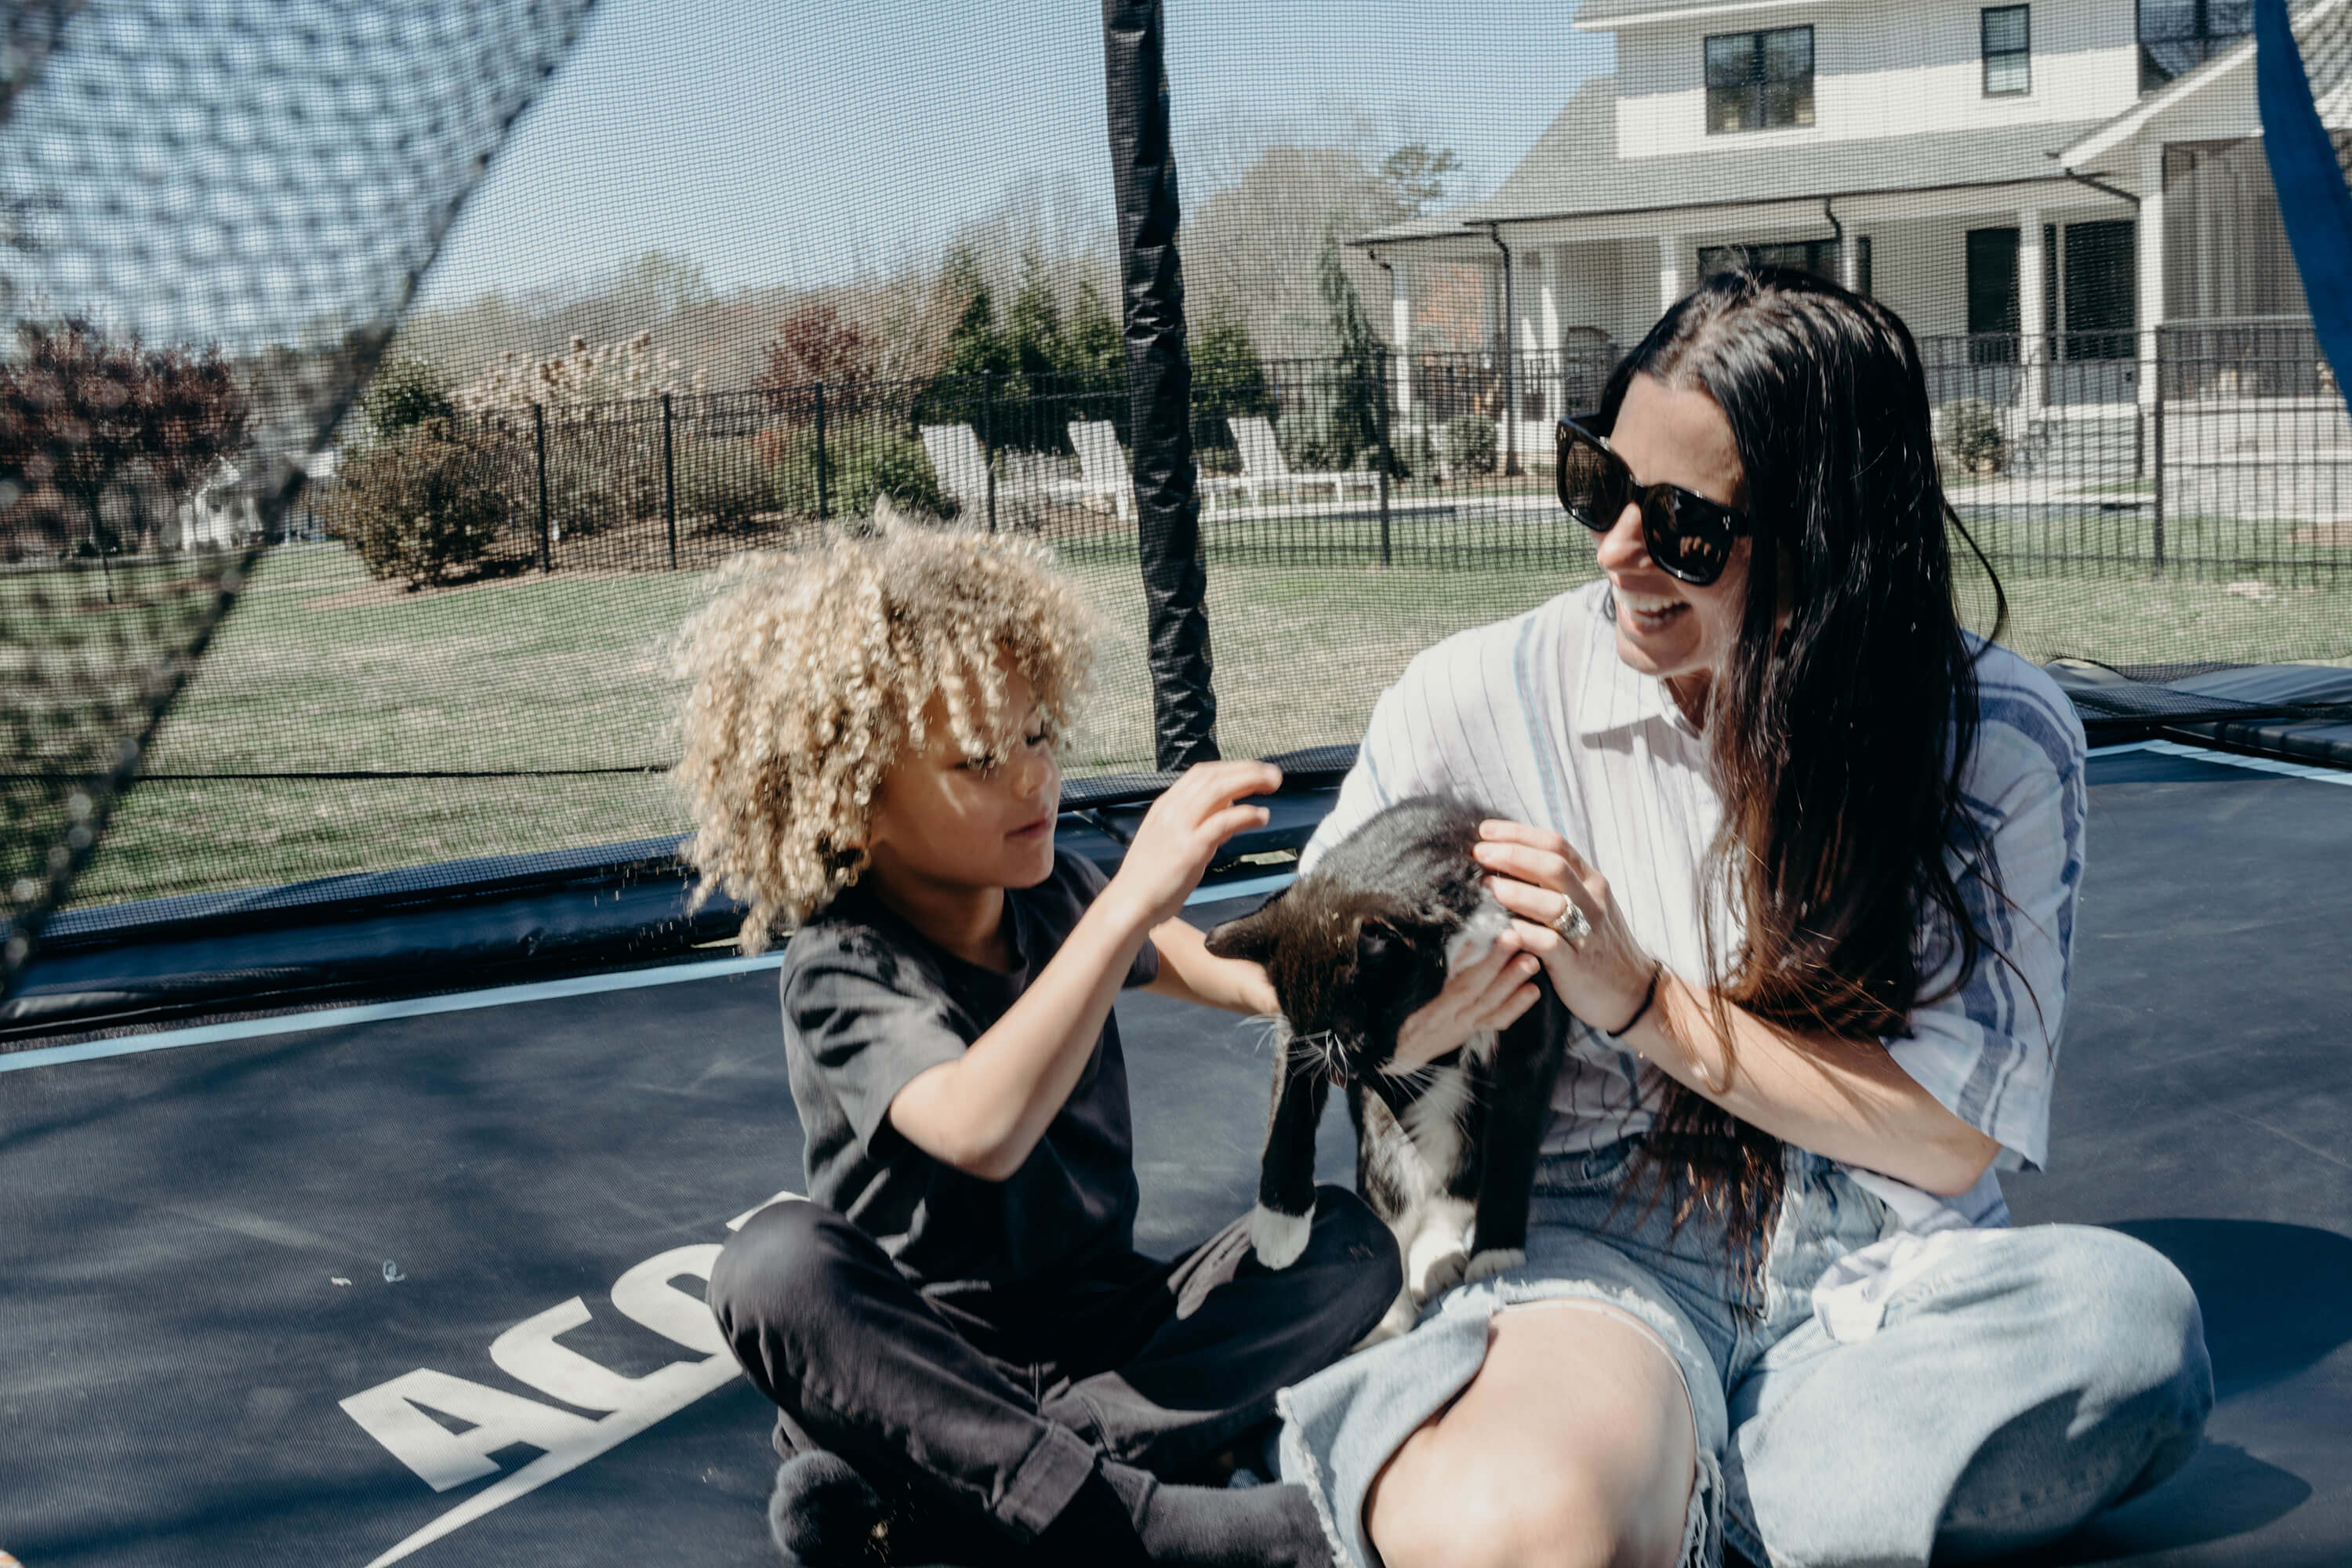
1644, 1010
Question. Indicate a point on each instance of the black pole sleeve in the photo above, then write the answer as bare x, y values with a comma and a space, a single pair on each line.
1159, 385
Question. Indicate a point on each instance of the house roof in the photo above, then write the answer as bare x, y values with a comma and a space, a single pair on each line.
1601, 16
1573, 169
2106, 137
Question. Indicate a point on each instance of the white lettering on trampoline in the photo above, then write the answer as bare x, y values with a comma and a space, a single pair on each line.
396, 1412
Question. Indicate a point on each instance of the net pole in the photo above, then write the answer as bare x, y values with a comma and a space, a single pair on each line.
2313, 200
1159, 385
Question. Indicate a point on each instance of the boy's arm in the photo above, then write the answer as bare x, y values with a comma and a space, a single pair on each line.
984, 1112
1190, 973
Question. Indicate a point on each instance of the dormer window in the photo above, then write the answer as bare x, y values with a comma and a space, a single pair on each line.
2008, 32
2178, 35
1760, 81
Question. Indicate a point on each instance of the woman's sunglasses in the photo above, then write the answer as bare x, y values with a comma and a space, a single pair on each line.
1689, 537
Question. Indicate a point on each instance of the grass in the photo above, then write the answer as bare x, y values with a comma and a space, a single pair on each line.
319, 671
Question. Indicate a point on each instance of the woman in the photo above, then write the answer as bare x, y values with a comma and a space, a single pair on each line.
1801, 856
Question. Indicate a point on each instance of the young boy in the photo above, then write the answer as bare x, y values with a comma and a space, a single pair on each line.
971, 1360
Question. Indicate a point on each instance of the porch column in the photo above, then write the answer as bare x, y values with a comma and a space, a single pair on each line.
1401, 335
2149, 242
1849, 263
2032, 308
1670, 269
1555, 275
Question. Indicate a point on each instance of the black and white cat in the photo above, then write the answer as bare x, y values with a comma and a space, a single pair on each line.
1444, 1154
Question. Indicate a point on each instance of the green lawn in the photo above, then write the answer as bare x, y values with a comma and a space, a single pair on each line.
319, 671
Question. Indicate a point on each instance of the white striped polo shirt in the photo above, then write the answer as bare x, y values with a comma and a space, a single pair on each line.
1537, 719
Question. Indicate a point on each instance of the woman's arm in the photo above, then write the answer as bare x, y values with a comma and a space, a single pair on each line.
984, 1112
1846, 1100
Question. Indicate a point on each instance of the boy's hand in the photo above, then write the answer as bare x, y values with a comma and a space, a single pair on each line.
1182, 832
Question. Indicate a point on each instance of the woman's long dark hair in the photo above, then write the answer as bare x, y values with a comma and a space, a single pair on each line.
1840, 730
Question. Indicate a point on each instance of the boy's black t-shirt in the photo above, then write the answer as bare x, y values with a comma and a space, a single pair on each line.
869, 1003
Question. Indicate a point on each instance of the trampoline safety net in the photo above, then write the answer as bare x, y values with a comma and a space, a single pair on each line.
749, 273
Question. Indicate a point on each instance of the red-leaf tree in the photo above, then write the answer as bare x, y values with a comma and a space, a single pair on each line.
117, 431
817, 344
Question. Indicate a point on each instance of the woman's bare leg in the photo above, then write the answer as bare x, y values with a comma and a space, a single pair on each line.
1571, 1448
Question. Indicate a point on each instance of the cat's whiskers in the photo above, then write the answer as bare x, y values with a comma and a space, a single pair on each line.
1322, 1054
1273, 1030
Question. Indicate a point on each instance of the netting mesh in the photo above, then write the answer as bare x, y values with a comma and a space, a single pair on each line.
868, 288
213, 215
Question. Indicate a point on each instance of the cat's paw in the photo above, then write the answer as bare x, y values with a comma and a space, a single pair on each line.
1434, 1271
1493, 1261
1278, 1238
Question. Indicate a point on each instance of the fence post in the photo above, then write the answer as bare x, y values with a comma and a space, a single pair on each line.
2156, 436
670, 484
1380, 390
538, 438
824, 491
988, 444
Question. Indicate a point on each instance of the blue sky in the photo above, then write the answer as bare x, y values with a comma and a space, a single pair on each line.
788, 142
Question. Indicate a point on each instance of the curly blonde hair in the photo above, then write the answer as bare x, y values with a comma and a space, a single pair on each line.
813, 671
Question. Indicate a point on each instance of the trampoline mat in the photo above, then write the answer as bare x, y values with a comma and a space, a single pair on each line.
236, 1277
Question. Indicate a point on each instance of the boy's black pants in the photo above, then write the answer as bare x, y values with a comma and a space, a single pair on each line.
1160, 1364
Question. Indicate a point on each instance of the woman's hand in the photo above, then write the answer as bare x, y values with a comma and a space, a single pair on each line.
1488, 995
1600, 976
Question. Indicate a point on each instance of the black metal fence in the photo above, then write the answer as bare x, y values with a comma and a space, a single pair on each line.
2061, 452
2229, 456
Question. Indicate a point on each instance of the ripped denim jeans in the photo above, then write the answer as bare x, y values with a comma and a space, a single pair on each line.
2024, 1382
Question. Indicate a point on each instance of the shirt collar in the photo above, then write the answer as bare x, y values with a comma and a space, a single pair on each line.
1618, 697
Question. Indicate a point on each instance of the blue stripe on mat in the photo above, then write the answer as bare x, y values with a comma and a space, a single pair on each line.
464, 1001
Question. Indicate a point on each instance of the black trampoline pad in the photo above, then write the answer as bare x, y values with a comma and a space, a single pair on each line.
176, 1352
177, 1344
2204, 1104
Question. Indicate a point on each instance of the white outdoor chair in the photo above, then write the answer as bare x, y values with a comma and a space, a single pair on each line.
1265, 468
1102, 465
960, 465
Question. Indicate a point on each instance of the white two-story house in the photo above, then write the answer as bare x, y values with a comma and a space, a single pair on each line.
2052, 188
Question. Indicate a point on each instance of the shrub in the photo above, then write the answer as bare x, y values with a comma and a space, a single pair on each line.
901, 470
862, 460
1469, 441
419, 507
404, 394
1316, 439
723, 485
1972, 436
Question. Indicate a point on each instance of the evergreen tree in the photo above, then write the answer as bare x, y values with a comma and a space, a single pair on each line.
1346, 422
404, 394
1035, 347
1098, 348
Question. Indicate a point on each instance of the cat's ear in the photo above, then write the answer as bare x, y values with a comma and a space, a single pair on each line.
1250, 937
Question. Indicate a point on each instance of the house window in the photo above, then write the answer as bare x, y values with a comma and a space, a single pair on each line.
1995, 307
1760, 81
2102, 289
2008, 35
1818, 256
2178, 35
